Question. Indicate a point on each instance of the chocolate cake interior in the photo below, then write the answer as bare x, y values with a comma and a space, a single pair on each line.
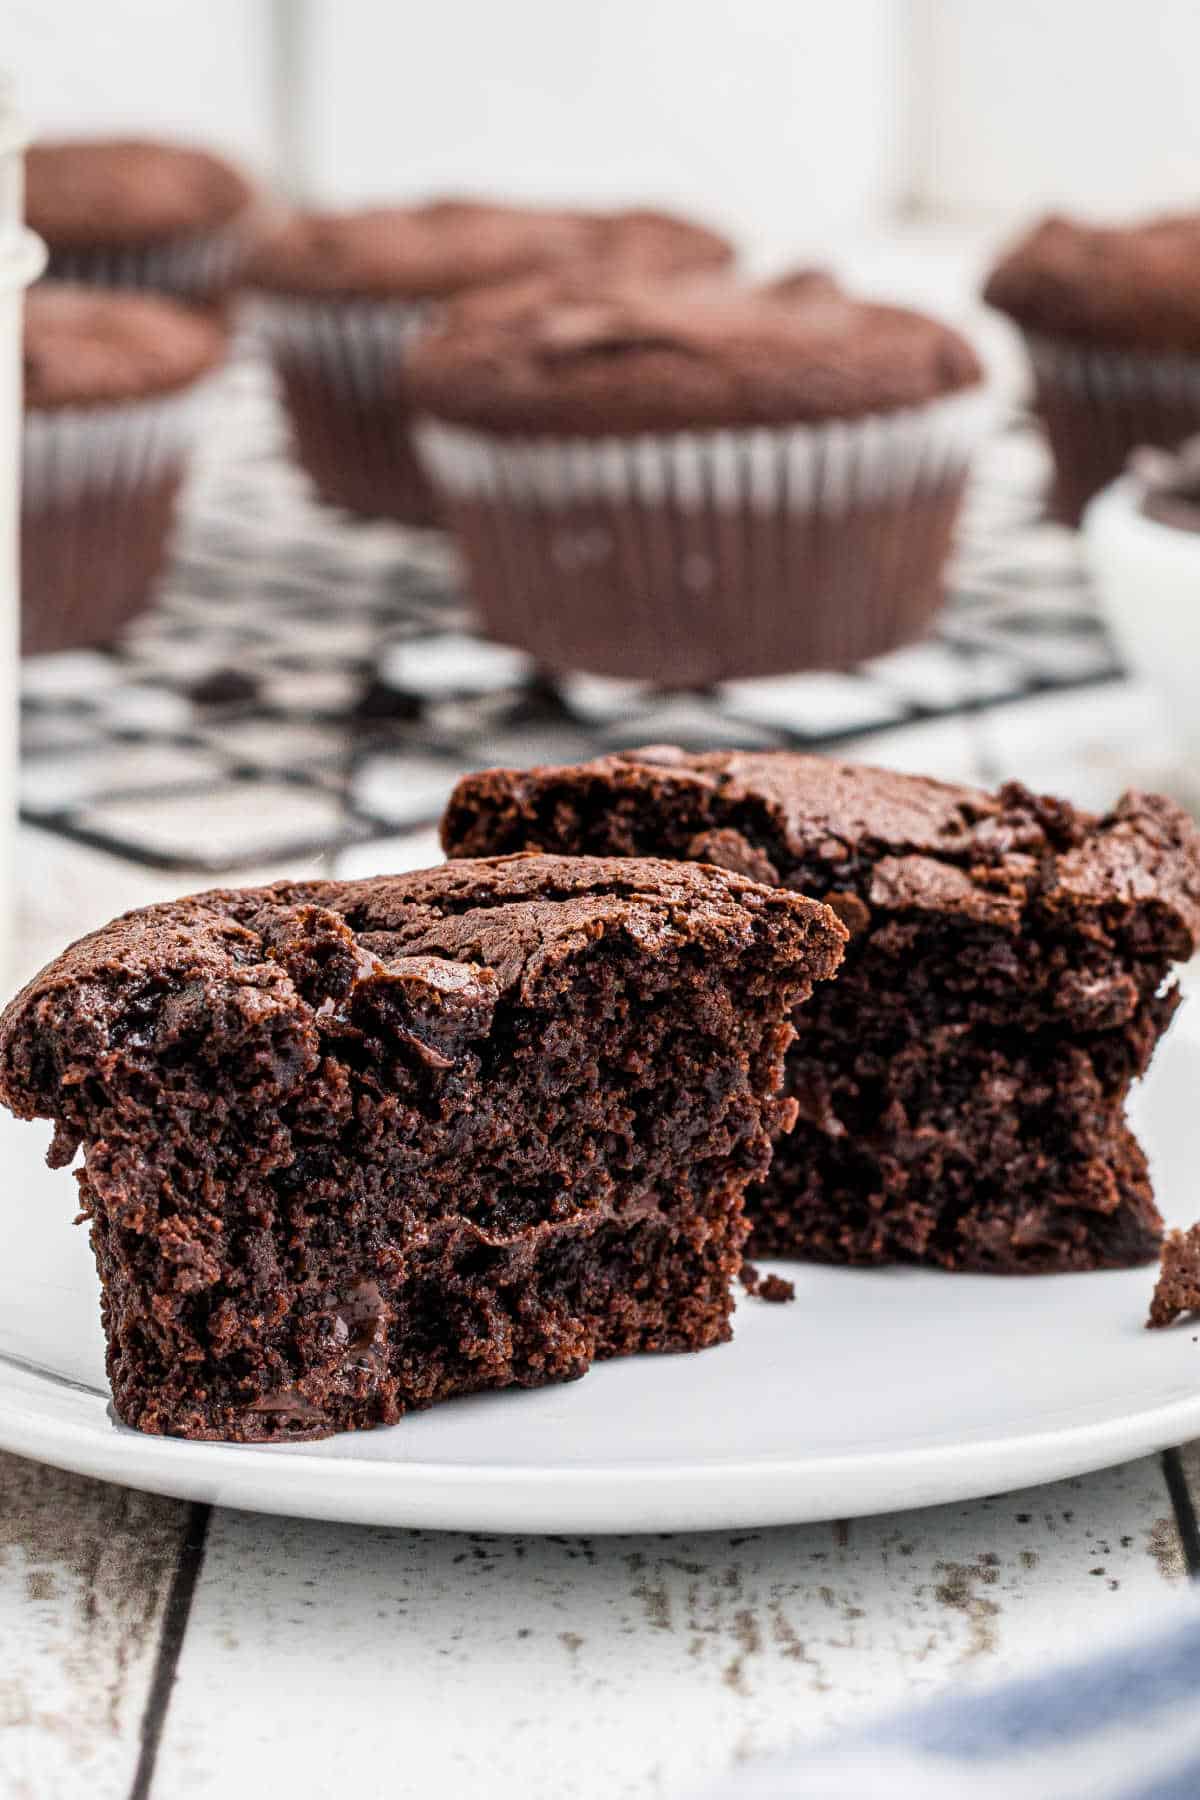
962, 1086
352, 1148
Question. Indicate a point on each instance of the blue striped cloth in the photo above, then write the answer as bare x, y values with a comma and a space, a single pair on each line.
1124, 1726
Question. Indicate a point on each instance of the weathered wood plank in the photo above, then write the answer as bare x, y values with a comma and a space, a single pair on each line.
340, 1659
1184, 1478
85, 1571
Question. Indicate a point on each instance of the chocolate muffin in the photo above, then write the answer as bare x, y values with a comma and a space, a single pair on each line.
113, 391
137, 213
1111, 317
962, 1086
694, 484
353, 1147
345, 294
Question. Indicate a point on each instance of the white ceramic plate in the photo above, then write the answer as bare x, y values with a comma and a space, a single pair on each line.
876, 1390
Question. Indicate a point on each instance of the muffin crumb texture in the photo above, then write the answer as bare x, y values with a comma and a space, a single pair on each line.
352, 1148
961, 1087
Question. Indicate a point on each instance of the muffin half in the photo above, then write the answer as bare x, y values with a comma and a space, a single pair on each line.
351, 1148
962, 1085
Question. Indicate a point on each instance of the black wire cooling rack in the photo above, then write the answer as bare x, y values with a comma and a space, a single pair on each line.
309, 682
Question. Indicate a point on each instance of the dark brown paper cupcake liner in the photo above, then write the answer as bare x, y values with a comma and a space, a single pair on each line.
709, 556
98, 494
339, 366
1098, 405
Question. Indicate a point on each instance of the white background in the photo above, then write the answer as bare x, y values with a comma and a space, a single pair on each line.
792, 121
1083, 104
186, 67
776, 118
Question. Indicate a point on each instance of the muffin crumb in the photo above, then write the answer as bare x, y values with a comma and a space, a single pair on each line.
1177, 1290
772, 1288
776, 1290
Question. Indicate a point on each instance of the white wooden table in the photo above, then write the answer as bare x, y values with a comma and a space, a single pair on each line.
151, 1647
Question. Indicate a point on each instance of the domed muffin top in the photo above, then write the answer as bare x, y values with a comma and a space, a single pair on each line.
81, 193
92, 347
634, 356
1131, 287
449, 246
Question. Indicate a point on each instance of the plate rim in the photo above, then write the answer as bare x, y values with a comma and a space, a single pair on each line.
738, 1494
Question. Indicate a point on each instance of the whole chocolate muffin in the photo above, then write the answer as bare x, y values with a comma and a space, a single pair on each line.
344, 295
112, 383
693, 484
1111, 316
134, 212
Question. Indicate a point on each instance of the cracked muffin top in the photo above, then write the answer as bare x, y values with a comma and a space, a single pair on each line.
630, 355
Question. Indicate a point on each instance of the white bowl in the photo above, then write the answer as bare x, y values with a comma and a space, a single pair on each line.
1147, 575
